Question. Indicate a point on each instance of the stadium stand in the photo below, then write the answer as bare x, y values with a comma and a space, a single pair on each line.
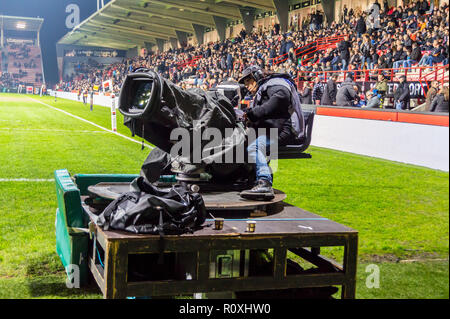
411, 40
25, 63
21, 56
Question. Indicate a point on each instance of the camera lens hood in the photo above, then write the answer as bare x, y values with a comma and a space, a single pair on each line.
127, 94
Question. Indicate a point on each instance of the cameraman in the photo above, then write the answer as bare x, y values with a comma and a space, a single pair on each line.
275, 101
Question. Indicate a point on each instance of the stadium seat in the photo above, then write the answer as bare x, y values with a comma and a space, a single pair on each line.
297, 151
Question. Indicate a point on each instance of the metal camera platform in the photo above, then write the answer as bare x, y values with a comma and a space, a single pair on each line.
213, 200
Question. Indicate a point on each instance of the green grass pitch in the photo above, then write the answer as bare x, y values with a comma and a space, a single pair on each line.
401, 211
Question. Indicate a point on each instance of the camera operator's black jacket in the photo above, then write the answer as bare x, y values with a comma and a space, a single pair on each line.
402, 94
272, 111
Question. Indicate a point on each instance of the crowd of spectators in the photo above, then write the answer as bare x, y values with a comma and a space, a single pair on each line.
380, 37
20, 65
19, 51
7, 81
13, 82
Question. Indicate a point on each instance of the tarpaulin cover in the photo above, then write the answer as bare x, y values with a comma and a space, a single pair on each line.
152, 210
194, 110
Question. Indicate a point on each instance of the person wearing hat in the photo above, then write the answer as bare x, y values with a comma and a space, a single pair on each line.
373, 101
381, 88
440, 101
402, 95
306, 93
347, 95
432, 92
276, 105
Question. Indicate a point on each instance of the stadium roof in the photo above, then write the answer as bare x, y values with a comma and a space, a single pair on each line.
124, 24
20, 23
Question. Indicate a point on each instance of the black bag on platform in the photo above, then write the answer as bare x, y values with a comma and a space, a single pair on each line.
154, 211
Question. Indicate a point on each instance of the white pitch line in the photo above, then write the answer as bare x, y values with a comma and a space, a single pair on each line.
47, 130
34, 180
96, 125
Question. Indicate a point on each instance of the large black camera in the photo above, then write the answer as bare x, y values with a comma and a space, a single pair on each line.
153, 107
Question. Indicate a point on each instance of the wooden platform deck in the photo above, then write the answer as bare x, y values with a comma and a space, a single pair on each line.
285, 228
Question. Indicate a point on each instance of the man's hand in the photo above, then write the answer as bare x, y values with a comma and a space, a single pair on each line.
247, 121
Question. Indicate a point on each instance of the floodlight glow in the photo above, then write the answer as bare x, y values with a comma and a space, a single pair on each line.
21, 25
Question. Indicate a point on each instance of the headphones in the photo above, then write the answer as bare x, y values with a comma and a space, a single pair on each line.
257, 73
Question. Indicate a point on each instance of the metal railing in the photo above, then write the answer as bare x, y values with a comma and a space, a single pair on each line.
190, 62
310, 48
421, 74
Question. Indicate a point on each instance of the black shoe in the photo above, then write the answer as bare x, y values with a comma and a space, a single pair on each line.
262, 191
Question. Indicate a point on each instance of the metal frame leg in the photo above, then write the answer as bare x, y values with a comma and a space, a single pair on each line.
350, 265
116, 270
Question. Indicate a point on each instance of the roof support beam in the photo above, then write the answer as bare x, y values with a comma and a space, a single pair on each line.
248, 16
103, 44
182, 38
225, 11
146, 23
174, 43
221, 25
282, 7
130, 30
259, 4
202, 19
199, 33
108, 42
328, 9
160, 44
119, 38
117, 45
118, 34
148, 46
179, 25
